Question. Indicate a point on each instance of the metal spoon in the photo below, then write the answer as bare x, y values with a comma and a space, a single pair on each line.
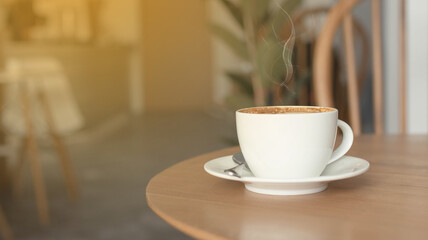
239, 159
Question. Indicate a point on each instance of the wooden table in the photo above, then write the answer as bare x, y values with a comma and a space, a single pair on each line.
390, 201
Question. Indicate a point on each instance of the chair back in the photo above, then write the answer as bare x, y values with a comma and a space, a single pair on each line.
305, 43
341, 15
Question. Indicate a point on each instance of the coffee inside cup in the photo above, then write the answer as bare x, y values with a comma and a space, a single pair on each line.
285, 110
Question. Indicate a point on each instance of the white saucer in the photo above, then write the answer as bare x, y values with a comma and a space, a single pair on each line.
345, 167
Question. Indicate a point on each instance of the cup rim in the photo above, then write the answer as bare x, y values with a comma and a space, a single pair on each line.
291, 106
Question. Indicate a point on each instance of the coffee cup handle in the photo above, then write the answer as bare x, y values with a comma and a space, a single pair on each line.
345, 145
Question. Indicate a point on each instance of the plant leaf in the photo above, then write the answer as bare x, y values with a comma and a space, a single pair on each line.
243, 81
235, 11
258, 9
270, 62
230, 39
238, 101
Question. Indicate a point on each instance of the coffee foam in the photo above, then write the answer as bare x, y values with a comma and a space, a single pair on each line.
285, 110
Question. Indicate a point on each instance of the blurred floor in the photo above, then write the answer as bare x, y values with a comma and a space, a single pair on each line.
113, 174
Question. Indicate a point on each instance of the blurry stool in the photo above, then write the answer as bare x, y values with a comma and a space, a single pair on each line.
42, 75
45, 107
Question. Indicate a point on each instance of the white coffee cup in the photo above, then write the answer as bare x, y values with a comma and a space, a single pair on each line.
286, 142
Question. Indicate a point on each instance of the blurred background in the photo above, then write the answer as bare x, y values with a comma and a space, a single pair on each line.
107, 93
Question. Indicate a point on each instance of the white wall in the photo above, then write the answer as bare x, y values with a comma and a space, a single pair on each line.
417, 64
122, 23
390, 56
120, 20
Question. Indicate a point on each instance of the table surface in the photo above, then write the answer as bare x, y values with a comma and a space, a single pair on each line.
390, 201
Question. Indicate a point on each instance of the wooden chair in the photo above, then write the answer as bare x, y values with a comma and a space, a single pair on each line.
30, 146
20, 81
304, 51
339, 15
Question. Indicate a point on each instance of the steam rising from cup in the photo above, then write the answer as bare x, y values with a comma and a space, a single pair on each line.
287, 52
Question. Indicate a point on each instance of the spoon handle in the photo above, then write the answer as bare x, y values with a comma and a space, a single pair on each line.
232, 171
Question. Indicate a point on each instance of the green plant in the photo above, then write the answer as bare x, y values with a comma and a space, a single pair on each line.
267, 46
